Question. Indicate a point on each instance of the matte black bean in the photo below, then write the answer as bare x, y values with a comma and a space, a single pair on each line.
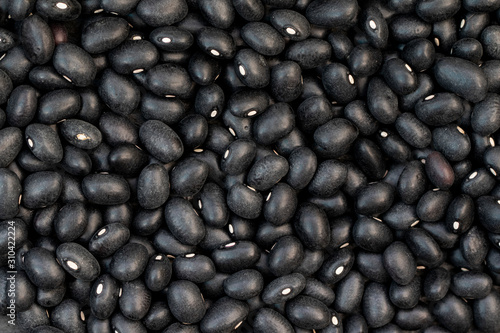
218, 139
369, 158
479, 182
329, 177
374, 199
153, 188
405, 297
220, 15
485, 118
439, 170
108, 239
355, 323
104, 296
286, 81
68, 317
8, 37
22, 102
135, 299
203, 68
168, 80
371, 235
263, 38
193, 130
283, 288
371, 265
76, 161
44, 143
50, 297
268, 233
436, 284
290, 24
121, 323
248, 103
303, 164
70, 221
453, 313
471, 85
449, 105
432, 205
106, 189
314, 112
267, 320
375, 27
426, 250
42, 268
209, 101
236, 256
171, 38
399, 263
11, 142
74, 64
382, 101
10, 200
183, 221
165, 242
224, 315
484, 310
285, 255
129, 261
41, 189
336, 136
404, 28
337, 266
471, 285
153, 107
250, 10
104, 34
69, 11
377, 308
307, 312
332, 13
119, 93
238, 156
252, 69
280, 204
452, 142
78, 262
37, 39
474, 246
266, 172
16, 65
419, 54
188, 177
434, 11
81, 134
217, 43
276, 122
312, 226
393, 146
119, 7
311, 263
162, 13
158, 272
133, 57
310, 53
339, 83
196, 268
158, 317
161, 141
244, 284
364, 60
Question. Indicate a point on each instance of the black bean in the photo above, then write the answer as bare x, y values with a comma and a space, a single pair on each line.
244, 284
236, 256
263, 38
285, 256
404, 28
377, 308
121, 323
485, 118
332, 13
161, 141
104, 34
432, 205
399, 263
106, 189
224, 315
439, 170
59, 11
453, 313
108, 239
337, 266
129, 262
153, 188
77, 261
134, 299
268, 320
104, 296
37, 39
307, 312
183, 221
484, 312
220, 15
41, 189
217, 43
70, 221
42, 268
160, 13
10, 200
133, 57
371, 235
158, 317
196, 268
74, 64
374, 199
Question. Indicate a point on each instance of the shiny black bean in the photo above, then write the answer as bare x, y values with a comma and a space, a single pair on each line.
329, 177
195, 268
67, 10
336, 136
312, 226
171, 38
70, 221
452, 142
382, 101
78, 262
405, 297
310, 53
188, 177
153, 106
479, 182
104, 34
369, 158
485, 118
248, 103
11, 142
474, 246
339, 83
432, 205
426, 250
471, 285
238, 156
252, 69
121, 323
68, 316
158, 272
450, 108
337, 266
22, 103
285, 255
16, 65
283, 289
399, 76
133, 57
364, 60
37, 39
119, 93
413, 131
375, 27
42, 268
286, 81
81, 134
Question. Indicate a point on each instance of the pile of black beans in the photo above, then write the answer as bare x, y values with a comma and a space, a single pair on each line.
267, 166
